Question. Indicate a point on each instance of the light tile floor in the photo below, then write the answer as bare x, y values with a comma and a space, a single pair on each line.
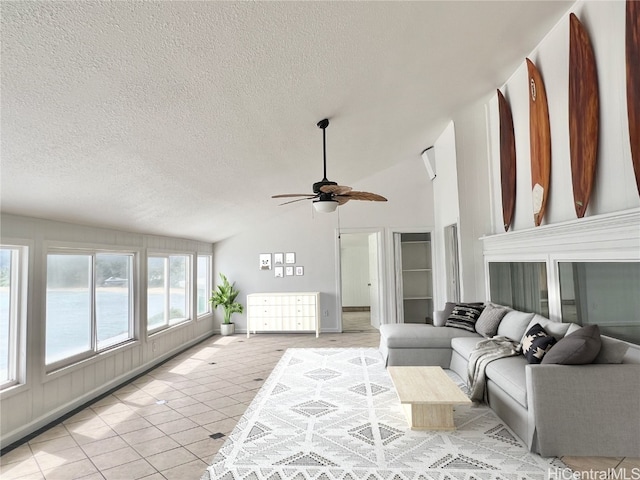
169, 423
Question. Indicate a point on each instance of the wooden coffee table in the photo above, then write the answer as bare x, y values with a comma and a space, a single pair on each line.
427, 395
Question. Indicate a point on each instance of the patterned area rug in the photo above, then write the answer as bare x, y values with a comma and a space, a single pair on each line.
333, 414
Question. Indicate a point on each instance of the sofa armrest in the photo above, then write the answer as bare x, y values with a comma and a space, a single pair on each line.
439, 318
585, 410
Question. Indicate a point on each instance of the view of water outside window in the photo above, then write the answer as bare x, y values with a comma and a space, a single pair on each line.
167, 288
68, 306
70, 320
113, 299
6, 266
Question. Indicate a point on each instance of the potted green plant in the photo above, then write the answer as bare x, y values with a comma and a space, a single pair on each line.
225, 296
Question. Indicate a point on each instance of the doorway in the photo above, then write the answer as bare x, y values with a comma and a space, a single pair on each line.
414, 277
360, 281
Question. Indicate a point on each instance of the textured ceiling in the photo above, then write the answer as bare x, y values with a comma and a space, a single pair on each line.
183, 118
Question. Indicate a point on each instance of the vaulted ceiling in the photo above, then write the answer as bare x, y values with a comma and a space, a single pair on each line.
183, 118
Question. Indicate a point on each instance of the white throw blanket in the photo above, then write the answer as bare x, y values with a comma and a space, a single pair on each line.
487, 351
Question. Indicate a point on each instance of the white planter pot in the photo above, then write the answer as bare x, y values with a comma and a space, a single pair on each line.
227, 328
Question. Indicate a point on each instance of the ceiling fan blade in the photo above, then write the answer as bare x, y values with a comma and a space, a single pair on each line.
372, 197
335, 189
285, 195
341, 199
297, 200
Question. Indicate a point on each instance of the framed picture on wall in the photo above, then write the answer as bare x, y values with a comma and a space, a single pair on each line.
288, 271
290, 257
279, 272
278, 258
299, 270
265, 261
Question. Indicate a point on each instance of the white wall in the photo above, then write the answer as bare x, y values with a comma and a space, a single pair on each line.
446, 206
461, 190
313, 237
46, 397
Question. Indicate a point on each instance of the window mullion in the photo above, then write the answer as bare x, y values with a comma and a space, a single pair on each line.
167, 291
94, 328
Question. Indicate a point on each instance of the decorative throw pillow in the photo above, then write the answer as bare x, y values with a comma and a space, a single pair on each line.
465, 316
577, 348
489, 320
536, 343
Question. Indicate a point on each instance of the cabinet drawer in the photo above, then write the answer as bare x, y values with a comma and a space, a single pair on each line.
266, 324
305, 300
299, 323
265, 311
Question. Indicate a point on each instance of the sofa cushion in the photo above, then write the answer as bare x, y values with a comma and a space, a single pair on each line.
464, 316
536, 343
556, 329
509, 374
577, 348
407, 335
464, 345
514, 324
490, 318
611, 351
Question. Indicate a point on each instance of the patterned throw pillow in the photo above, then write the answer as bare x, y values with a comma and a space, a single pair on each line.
465, 316
536, 343
490, 318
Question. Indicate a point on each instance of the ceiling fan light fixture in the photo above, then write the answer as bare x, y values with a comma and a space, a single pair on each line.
325, 206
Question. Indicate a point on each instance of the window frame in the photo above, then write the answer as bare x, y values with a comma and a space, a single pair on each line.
208, 287
93, 350
18, 308
189, 302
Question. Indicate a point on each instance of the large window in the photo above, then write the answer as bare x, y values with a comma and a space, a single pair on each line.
520, 285
11, 320
602, 293
89, 306
167, 290
204, 284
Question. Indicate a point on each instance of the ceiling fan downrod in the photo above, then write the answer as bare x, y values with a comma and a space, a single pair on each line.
323, 124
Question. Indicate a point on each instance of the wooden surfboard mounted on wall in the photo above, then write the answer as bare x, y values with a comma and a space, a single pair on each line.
507, 161
584, 114
633, 82
540, 140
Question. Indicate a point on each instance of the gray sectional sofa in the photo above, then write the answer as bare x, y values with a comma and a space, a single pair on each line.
581, 410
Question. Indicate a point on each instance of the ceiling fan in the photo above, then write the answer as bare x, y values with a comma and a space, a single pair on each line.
327, 195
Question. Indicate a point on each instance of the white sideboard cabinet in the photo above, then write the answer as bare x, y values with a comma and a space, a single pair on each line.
283, 312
